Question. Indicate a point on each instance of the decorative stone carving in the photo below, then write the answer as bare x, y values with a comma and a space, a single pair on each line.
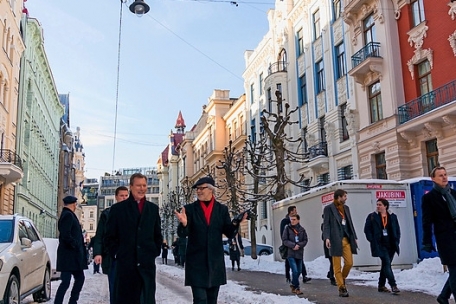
410, 137
450, 120
330, 132
338, 31
318, 49
435, 129
452, 40
321, 103
376, 146
419, 56
417, 35
350, 116
452, 11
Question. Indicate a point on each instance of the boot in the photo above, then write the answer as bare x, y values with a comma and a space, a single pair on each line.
395, 290
383, 289
343, 292
293, 289
298, 292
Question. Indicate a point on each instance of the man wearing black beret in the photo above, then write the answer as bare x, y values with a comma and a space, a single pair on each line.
71, 253
204, 222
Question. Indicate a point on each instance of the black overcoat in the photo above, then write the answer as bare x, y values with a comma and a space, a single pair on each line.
98, 242
134, 239
71, 252
205, 262
333, 230
373, 229
235, 249
436, 213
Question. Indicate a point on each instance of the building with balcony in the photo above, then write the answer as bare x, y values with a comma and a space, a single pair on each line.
89, 216
38, 126
11, 168
304, 57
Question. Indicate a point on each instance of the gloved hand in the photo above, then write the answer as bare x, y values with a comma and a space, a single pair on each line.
428, 248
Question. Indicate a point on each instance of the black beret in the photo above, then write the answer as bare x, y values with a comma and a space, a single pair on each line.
69, 199
204, 180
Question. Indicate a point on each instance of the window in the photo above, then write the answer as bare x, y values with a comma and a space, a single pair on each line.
340, 57
261, 83
380, 166
316, 24
345, 173
337, 9
424, 77
278, 94
303, 93
252, 93
300, 42
375, 102
417, 12
432, 154
323, 179
320, 79
91, 214
369, 30
304, 140
253, 130
90, 226
264, 210
322, 129
344, 123
269, 98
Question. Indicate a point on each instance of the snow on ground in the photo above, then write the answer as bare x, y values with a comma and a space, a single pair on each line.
427, 277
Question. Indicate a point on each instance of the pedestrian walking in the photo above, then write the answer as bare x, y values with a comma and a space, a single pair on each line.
182, 245
71, 252
96, 265
330, 274
204, 222
100, 250
133, 238
295, 238
383, 233
340, 238
165, 252
175, 247
439, 218
286, 221
236, 250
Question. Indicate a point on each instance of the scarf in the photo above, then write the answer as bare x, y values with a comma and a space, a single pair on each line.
448, 198
207, 209
340, 208
141, 204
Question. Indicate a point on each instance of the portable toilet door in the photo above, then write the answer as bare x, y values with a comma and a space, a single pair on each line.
417, 190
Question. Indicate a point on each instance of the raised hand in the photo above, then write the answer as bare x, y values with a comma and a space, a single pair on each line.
181, 216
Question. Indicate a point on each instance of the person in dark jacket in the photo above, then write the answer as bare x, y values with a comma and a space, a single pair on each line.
340, 238
439, 217
236, 248
100, 250
286, 221
295, 238
71, 252
133, 238
165, 248
383, 233
330, 274
182, 247
204, 222
175, 247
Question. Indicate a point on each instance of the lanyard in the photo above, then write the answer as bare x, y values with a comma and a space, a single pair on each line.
341, 214
384, 221
294, 230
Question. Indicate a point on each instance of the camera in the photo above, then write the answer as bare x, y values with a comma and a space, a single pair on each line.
238, 218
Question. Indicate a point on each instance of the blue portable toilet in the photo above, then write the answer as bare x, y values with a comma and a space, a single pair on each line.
419, 187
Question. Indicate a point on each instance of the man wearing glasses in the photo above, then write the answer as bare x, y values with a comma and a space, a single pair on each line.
204, 222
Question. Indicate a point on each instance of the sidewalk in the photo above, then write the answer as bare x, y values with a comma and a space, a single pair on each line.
322, 292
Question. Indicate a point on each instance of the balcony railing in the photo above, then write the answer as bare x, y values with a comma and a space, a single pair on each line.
276, 67
427, 102
8, 156
372, 49
318, 150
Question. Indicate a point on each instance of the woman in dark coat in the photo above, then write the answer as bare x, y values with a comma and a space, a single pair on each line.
236, 249
383, 233
71, 253
165, 252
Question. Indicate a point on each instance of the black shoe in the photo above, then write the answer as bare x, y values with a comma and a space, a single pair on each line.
288, 280
395, 290
442, 300
333, 282
232, 268
306, 279
383, 289
343, 292
239, 268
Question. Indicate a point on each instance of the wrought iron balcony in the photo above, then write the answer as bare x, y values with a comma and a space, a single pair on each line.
320, 149
276, 67
10, 166
427, 102
372, 49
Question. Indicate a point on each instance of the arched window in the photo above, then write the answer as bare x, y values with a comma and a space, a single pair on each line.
282, 60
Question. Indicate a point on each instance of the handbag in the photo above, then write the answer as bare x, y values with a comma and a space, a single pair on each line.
283, 251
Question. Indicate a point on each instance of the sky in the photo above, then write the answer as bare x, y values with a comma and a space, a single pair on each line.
426, 277
171, 60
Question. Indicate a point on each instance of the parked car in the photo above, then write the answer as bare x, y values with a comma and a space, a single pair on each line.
51, 247
262, 249
24, 262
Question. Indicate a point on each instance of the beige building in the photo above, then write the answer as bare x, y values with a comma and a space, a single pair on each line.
12, 47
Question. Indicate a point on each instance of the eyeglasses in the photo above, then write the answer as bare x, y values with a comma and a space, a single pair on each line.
201, 188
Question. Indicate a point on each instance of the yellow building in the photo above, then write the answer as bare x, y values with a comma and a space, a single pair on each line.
12, 49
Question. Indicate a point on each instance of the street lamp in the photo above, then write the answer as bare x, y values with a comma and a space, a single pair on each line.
139, 8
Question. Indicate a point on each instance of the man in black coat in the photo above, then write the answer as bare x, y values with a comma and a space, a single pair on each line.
71, 252
439, 216
133, 238
100, 252
204, 222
